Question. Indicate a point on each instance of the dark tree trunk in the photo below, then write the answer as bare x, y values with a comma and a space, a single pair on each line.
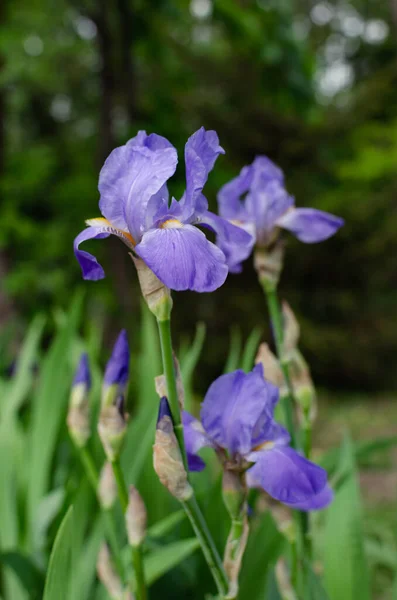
127, 74
107, 83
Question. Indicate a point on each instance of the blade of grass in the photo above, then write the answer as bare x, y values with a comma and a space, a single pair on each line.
59, 568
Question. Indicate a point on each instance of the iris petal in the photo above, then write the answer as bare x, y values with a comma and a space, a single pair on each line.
183, 258
195, 439
287, 476
229, 196
201, 151
90, 267
131, 175
310, 225
237, 412
99, 229
235, 242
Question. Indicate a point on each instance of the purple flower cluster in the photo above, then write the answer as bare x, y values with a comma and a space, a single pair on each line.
237, 416
135, 206
267, 207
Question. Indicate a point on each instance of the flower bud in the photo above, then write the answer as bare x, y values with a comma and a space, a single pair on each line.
284, 582
271, 367
161, 384
78, 419
156, 295
135, 518
291, 330
107, 487
112, 427
304, 390
268, 263
233, 493
108, 576
117, 371
167, 457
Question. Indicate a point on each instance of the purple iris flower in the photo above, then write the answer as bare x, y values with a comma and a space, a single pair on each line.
266, 208
135, 206
83, 373
237, 415
118, 365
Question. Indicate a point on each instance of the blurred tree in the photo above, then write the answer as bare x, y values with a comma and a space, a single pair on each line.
309, 83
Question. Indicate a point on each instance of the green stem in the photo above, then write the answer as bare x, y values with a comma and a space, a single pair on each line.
139, 572
110, 527
277, 324
210, 552
170, 377
89, 467
121, 485
136, 551
191, 507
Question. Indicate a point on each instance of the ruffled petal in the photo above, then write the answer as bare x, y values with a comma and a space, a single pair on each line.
235, 242
287, 476
195, 439
183, 258
237, 412
201, 151
131, 175
229, 196
268, 170
310, 225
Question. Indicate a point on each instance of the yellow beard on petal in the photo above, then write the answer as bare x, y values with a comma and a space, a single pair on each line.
264, 446
102, 222
171, 224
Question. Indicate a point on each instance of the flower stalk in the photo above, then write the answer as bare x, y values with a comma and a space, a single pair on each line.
234, 493
270, 291
189, 504
136, 552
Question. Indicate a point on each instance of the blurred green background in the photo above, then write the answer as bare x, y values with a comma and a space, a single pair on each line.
312, 84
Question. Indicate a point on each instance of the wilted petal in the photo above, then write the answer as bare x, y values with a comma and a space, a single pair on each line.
183, 258
229, 196
287, 476
195, 439
310, 225
235, 242
201, 151
131, 175
90, 267
237, 411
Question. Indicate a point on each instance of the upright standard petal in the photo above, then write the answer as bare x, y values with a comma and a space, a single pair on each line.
310, 225
131, 175
229, 196
287, 476
195, 439
183, 258
237, 412
235, 242
201, 151
266, 202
